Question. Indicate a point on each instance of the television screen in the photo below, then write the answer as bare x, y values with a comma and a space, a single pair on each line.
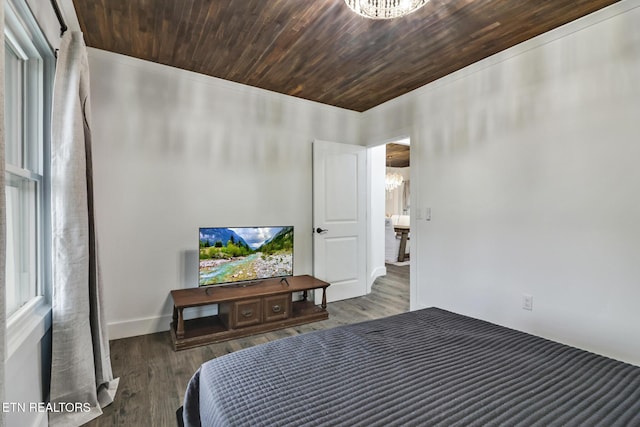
239, 254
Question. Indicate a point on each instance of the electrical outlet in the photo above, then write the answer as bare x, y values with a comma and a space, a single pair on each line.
527, 302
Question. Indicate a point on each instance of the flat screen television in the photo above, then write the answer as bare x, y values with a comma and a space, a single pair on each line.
244, 254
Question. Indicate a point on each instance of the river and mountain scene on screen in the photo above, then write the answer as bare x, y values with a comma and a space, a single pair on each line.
242, 254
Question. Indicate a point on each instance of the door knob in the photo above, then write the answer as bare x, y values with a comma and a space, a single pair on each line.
321, 230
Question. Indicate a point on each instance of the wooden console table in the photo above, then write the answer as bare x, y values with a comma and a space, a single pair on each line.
245, 310
403, 230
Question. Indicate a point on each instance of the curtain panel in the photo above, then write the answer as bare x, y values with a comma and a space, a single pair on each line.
406, 197
81, 364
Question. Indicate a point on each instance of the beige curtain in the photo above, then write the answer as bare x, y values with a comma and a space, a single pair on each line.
81, 364
406, 197
3, 225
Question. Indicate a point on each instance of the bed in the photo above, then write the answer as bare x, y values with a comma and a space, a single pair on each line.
429, 367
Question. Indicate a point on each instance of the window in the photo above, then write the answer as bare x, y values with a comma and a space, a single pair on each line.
26, 119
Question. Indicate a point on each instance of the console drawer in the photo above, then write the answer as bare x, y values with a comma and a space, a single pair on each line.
276, 307
246, 313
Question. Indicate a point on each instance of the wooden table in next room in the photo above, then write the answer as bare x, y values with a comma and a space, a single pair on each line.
403, 230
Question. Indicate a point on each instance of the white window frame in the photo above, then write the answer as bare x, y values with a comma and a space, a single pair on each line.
31, 321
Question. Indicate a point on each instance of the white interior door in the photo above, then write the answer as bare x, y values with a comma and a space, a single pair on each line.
339, 218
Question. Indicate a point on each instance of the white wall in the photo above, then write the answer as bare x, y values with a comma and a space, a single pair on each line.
173, 151
529, 162
27, 375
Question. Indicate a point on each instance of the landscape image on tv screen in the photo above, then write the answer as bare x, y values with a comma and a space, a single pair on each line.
239, 254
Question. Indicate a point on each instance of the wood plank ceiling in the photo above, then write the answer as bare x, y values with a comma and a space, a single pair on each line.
398, 155
319, 49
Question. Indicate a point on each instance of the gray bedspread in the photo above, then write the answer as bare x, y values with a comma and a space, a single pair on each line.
425, 368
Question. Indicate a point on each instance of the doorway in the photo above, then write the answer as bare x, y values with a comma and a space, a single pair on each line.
390, 213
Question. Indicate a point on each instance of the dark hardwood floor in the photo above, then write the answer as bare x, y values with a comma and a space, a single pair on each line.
153, 377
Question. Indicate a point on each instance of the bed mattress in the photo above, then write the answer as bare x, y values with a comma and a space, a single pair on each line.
424, 368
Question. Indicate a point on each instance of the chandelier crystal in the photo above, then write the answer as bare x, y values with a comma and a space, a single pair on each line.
384, 9
392, 181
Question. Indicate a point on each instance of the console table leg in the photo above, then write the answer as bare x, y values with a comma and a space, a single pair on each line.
180, 327
324, 298
304, 295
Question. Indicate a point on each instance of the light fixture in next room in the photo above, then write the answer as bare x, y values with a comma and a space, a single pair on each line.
392, 181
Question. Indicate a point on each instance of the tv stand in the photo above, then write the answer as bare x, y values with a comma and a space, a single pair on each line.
244, 311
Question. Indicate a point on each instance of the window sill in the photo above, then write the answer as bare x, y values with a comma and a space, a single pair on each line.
28, 325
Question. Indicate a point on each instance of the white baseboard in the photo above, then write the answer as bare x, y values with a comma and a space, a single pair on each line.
377, 272
135, 327
151, 325
416, 306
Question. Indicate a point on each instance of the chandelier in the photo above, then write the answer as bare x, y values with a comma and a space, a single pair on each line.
392, 181
384, 9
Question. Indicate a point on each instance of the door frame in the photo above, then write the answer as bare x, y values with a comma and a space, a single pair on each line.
415, 218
